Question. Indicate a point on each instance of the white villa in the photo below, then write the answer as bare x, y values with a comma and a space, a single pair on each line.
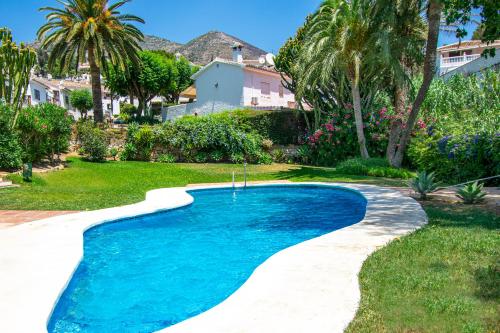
456, 55
231, 84
47, 90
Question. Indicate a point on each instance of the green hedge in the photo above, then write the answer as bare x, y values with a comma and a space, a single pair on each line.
212, 138
282, 126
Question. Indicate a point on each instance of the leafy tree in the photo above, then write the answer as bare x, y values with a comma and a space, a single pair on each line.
182, 80
452, 11
155, 75
91, 30
342, 47
15, 68
82, 100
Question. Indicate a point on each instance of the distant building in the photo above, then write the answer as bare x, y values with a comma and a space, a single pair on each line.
231, 84
47, 90
458, 54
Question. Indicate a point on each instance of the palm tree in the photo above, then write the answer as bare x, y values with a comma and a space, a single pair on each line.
342, 44
93, 31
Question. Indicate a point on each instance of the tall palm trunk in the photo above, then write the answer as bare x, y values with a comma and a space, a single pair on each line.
397, 124
95, 75
358, 117
434, 11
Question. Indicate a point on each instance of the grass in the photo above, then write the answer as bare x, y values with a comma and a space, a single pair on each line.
88, 186
442, 278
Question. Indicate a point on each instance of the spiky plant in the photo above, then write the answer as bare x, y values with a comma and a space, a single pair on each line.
471, 193
424, 184
93, 31
16, 63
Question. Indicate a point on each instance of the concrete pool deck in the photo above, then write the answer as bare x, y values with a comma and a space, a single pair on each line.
309, 287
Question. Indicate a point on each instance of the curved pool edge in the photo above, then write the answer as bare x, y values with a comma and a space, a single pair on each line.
309, 287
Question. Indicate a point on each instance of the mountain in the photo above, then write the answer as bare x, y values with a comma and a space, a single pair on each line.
204, 48
200, 50
158, 43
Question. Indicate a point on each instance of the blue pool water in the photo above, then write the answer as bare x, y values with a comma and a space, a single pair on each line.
148, 273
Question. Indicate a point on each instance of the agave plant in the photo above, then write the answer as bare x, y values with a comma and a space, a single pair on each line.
423, 184
471, 193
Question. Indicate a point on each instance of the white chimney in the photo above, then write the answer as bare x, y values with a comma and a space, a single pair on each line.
237, 52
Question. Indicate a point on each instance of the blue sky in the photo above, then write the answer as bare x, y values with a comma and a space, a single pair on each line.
264, 23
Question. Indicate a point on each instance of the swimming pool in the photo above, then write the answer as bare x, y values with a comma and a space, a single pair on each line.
148, 273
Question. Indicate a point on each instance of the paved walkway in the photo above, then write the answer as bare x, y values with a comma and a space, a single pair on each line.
12, 217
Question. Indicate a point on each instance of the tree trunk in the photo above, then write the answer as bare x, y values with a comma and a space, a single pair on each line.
358, 117
434, 18
396, 125
95, 74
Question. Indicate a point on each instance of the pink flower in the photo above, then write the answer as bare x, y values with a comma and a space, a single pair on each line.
348, 106
377, 123
330, 127
318, 134
347, 116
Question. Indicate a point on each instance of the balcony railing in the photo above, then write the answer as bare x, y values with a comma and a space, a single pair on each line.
458, 61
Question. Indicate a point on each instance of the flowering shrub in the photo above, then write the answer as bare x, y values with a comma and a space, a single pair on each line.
336, 139
457, 158
93, 141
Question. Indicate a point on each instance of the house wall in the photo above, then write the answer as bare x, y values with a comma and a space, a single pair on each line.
253, 88
218, 88
31, 92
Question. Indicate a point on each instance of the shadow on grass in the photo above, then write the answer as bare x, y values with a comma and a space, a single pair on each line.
487, 280
456, 215
321, 174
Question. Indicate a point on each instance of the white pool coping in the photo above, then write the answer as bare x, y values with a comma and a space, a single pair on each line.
309, 287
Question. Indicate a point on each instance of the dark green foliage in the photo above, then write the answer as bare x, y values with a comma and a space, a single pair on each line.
216, 138
44, 132
375, 167
282, 127
10, 150
93, 141
459, 158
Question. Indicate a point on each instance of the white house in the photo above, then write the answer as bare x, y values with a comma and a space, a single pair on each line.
456, 55
47, 90
231, 84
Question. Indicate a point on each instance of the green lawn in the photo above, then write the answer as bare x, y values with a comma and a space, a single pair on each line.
442, 278
84, 185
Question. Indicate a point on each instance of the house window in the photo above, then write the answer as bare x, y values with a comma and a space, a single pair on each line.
265, 88
454, 54
37, 94
66, 100
281, 91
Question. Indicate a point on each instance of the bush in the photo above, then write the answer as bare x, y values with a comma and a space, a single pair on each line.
279, 156
10, 149
267, 144
166, 158
457, 159
216, 156
142, 138
375, 167
282, 126
336, 139
44, 132
93, 141
113, 152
